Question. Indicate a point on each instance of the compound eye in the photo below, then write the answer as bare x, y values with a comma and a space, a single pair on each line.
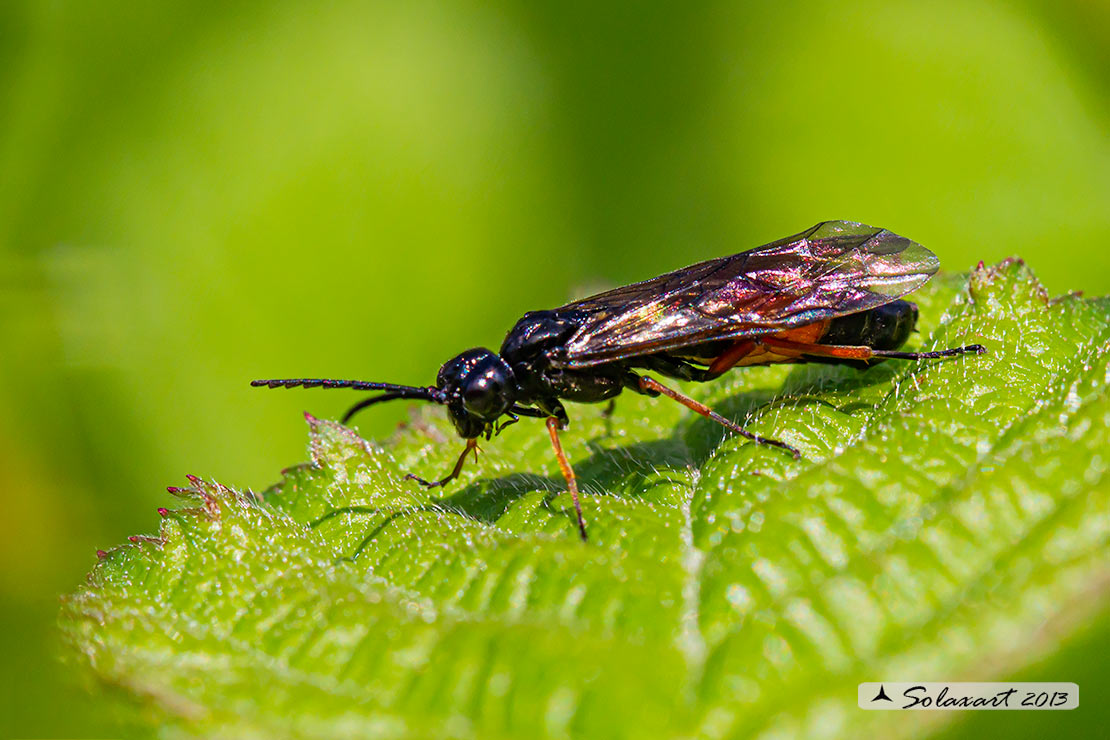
484, 397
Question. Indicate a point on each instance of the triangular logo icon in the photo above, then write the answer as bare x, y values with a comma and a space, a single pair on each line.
882, 695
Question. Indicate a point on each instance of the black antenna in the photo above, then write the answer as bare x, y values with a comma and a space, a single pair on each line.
370, 402
394, 391
358, 385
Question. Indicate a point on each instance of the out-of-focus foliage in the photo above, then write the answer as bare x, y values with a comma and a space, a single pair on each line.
947, 518
193, 194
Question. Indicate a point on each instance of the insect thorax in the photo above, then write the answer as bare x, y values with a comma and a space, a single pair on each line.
535, 347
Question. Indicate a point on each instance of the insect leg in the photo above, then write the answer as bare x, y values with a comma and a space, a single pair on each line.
471, 444
513, 419
553, 425
653, 387
731, 356
681, 370
866, 353
669, 366
525, 411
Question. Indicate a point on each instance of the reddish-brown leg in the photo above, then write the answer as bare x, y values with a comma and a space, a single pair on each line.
652, 385
867, 353
568, 471
731, 356
471, 444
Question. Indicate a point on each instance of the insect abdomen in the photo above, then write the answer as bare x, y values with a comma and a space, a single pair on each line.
885, 327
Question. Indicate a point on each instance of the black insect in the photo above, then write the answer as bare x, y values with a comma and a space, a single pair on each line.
828, 294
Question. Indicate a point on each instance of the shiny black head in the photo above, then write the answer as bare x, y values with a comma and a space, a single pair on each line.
478, 388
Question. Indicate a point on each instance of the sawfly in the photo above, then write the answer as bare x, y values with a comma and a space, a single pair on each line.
829, 294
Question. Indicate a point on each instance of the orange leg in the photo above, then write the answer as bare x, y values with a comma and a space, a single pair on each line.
651, 385
866, 353
568, 472
471, 444
731, 356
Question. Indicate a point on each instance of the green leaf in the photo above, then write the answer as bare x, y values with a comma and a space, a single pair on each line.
947, 521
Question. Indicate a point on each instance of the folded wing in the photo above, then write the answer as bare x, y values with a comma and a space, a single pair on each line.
832, 269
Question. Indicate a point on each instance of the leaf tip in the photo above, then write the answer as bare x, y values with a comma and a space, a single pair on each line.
1010, 274
326, 437
142, 539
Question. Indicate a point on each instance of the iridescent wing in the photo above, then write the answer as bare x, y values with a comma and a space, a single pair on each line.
832, 269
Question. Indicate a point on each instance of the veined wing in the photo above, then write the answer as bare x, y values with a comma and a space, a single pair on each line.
832, 269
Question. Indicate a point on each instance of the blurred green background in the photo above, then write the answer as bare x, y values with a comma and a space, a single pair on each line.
194, 194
